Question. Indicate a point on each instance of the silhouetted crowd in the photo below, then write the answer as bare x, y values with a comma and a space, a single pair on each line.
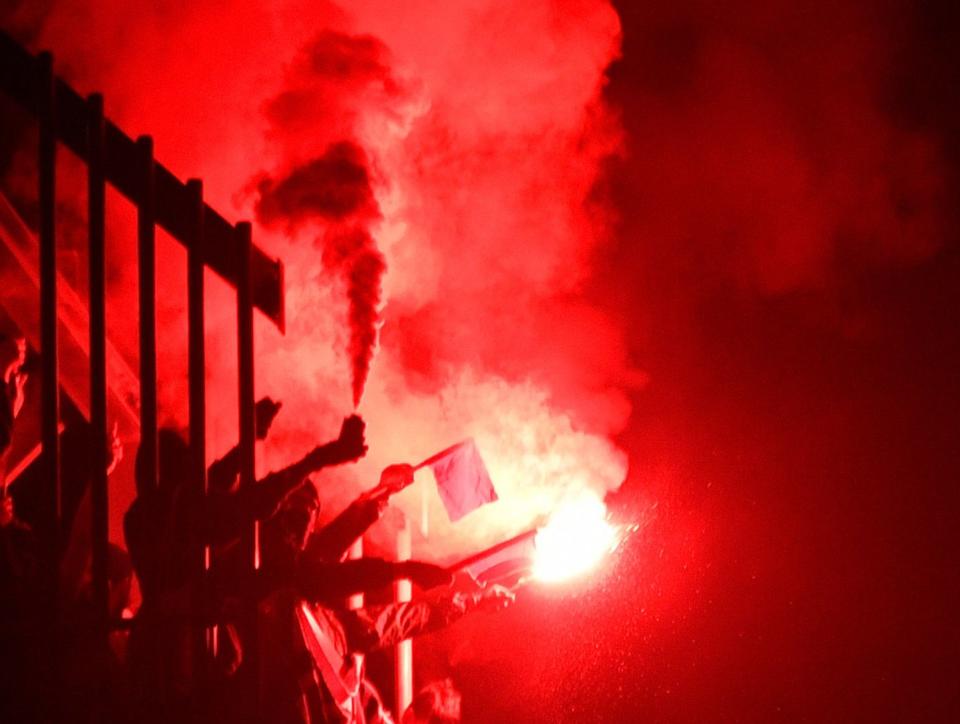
215, 639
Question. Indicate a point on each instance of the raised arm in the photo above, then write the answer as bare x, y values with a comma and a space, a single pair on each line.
329, 583
332, 540
224, 515
222, 473
13, 355
385, 626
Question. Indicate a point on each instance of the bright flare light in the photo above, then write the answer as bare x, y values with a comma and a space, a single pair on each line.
574, 540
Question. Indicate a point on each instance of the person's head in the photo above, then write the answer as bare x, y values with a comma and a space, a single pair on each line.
298, 515
436, 703
173, 459
13, 354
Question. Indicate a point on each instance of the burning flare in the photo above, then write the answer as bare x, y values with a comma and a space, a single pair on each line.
575, 540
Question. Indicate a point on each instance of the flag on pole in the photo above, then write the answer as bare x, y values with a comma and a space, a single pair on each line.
511, 558
462, 479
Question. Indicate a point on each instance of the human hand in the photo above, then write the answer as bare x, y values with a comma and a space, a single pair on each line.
115, 453
463, 582
265, 412
7, 514
13, 353
350, 444
426, 575
395, 478
493, 598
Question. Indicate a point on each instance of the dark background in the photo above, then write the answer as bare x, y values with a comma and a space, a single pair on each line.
802, 452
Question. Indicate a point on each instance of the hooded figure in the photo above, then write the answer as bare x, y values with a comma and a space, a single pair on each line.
166, 529
310, 640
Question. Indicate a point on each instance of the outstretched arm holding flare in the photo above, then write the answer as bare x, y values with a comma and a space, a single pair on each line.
383, 626
224, 515
222, 474
328, 583
331, 542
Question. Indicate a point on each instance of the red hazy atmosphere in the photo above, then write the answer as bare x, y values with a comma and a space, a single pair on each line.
701, 261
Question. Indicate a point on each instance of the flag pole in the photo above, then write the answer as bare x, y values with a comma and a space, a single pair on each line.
491, 550
403, 654
424, 511
442, 454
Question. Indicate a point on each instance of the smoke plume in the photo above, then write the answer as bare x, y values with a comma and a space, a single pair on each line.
354, 253
428, 167
768, 152
335, 189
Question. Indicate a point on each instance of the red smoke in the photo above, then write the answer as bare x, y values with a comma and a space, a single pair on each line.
333, 187
430, 167
334, 190
749, 172
467, 146
766, 154
353, 252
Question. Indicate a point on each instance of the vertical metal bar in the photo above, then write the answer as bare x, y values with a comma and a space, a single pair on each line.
245, 373
96, 212
195, 340
50, 393
146, 247
197, 375
356, 601
251, 542
355, 551
403, 654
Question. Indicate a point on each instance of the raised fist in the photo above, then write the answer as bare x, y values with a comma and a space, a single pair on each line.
265, 412
350, 445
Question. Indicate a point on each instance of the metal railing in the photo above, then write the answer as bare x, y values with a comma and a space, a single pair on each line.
111, 157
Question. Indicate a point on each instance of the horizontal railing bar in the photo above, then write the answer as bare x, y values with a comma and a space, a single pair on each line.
18, 68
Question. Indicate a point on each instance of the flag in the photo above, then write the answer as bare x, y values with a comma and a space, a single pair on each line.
509, 559
462, 479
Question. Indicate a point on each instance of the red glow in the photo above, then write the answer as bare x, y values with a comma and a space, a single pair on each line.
575, 540
721, 240
432, 179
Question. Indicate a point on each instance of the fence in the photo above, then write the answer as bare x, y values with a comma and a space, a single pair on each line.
112, 157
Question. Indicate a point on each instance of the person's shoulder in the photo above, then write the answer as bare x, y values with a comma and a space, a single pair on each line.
138, 515
135, 510
18, 529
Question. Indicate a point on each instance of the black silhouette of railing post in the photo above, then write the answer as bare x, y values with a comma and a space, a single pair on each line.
50, 392
245, 398
245, 376
161, 199
146, 263
197, 383
96, 212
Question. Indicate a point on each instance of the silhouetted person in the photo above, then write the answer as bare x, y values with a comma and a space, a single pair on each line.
20, 582
166, 528
292, 558
332, 541
13, 355
309, 637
